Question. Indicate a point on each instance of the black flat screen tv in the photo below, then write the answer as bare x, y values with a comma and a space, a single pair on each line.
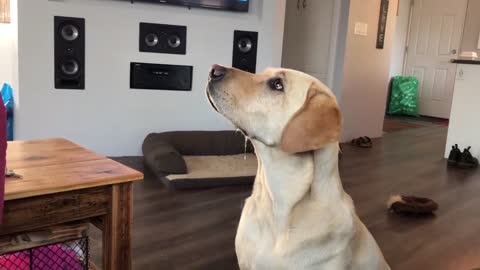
232, 5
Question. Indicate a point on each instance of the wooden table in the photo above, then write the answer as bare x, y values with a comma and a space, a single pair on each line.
63, 182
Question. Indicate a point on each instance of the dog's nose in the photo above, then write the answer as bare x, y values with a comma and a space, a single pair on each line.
217, 73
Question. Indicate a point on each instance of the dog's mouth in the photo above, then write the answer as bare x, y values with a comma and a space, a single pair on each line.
242, 131
212, 103
210, 100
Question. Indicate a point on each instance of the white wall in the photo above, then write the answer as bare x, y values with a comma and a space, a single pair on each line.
466, 97
400, 38
7, 55
8, 49
366, 71
108, 117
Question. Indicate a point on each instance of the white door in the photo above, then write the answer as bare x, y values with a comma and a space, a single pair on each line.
435, 35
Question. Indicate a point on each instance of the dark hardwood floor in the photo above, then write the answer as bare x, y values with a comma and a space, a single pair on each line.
394, 123
185, 230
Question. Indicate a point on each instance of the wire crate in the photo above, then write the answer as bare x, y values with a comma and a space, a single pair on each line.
63, 248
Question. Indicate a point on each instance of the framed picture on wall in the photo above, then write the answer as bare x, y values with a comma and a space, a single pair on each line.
382, 23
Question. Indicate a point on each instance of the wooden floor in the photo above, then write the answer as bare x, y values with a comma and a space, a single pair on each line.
195, 229
393, 125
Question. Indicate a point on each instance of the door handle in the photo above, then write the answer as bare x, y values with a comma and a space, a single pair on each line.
454, 51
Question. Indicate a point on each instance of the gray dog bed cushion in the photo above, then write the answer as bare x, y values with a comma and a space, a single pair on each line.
165, 159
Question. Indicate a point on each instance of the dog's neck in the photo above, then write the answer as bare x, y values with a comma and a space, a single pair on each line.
286, 179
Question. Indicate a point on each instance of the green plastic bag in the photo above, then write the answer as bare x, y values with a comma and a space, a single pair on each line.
404, 96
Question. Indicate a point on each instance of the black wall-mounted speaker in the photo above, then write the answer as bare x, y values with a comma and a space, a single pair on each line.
159, 76
163, 38
69, 53
245, 50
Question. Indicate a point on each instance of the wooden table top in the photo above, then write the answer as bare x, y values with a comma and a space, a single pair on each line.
58, 165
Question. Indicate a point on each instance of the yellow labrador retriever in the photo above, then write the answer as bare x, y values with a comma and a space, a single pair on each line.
298, 216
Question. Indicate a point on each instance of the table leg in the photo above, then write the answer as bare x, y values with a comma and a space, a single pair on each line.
117, 248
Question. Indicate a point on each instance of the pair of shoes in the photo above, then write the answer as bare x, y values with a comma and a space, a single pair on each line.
454, 156
364, 142
462, 160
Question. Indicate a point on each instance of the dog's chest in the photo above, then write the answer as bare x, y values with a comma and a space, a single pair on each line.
260, 249
303, 244
255, 241
256, 248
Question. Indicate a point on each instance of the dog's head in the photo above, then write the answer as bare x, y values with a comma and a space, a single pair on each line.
279, 107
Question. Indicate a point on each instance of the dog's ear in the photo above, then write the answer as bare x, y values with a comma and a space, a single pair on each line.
317, 123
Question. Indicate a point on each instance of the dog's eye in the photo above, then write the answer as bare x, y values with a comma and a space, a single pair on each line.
276, 84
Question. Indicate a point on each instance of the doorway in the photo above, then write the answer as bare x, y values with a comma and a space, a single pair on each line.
428, 35
434, 38
310, 37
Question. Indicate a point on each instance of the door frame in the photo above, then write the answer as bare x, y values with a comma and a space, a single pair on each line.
337, 7
407, 40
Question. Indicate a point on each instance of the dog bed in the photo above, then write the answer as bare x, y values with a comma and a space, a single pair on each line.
197, 159
402, 204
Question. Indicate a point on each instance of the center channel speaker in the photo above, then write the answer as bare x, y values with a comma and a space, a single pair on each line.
69, 52
163, 38
245, 50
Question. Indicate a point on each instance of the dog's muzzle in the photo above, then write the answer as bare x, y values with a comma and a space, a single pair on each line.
216, 75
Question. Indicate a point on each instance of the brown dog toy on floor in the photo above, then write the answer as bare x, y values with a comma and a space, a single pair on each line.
401, 204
